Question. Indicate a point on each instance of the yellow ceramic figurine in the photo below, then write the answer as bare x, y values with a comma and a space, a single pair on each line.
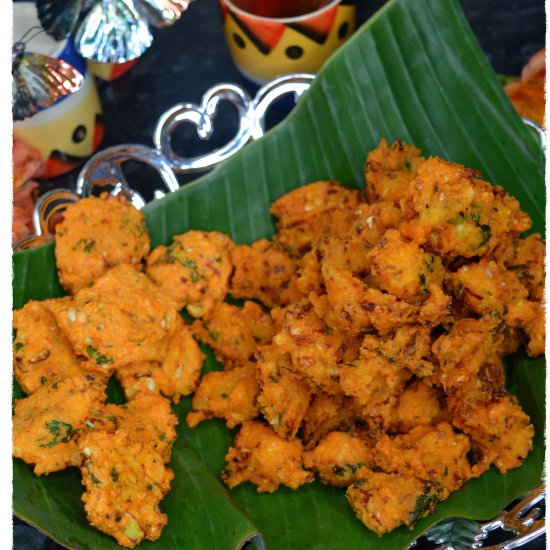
264, 47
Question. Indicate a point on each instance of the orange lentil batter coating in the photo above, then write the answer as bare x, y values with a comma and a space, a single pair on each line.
229, 394
260, 456
261, 271
194, 270
385, 501
390, 169
46, 425
96, 234
283, 398
233, 332
121, 319
338, 458
125, 480
41, 353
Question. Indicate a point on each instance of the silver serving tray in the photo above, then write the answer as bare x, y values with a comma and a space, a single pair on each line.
522, 521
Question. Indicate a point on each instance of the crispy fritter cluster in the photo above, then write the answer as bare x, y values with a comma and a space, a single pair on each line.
378, 367
96, 234
383, 370
117, 322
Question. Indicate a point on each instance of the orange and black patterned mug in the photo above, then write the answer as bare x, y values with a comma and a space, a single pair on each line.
276, 37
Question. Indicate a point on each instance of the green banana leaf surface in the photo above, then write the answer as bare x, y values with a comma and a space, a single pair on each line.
414, 72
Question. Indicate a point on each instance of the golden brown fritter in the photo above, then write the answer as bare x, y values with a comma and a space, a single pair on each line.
96, 234
385, 501
451, 211
260, 456
261, 271
486, 288
314, 348
402, 268
502, 430
338, 458
418, 404
47, 424
408, 347
304, 214
374, 383
390, 169
283, 397
434, 454
176, 373
123, 318
125, 481
461, 353
194, 270
41, 353
233, 332
146, 418
229, 394
525, 258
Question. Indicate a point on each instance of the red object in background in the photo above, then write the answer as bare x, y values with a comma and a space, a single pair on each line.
280, 8
527, 93
27, 164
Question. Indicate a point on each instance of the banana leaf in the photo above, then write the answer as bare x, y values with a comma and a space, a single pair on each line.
414, 72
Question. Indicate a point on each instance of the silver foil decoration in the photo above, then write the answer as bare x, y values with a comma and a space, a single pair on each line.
39, 81
59, 17
162, 13
113, 32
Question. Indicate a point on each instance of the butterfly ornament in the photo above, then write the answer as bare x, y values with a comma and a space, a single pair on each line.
38, 81
109, 31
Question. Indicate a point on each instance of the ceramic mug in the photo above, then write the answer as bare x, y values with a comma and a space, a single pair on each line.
70, 130
276, 37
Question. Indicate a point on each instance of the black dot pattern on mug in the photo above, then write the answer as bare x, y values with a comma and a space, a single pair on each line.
294, 52
239, 41
343, 30
79, 134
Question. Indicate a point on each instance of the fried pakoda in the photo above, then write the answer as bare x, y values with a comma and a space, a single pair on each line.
123, 318
315, 350
434, 454
96, 234
194, 270
452, 212
46, 424
260, 456
418, 404
125, 481
261, 271
390, 169
283, 397
176, 373
385, 501
234, 333
338, 458
502, 430
327, 413
229, 394
41, 353
304, 214
146, 418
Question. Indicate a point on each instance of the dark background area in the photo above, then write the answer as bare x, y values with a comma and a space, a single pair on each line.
187, 59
